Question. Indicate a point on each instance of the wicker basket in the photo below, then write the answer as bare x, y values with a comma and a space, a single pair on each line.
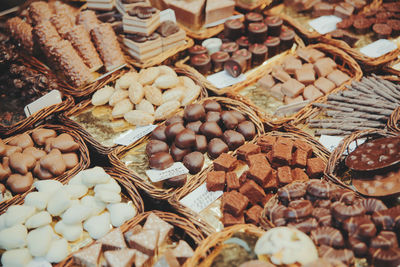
84, 161
98, 147
208, 249
251, 77
164, 194
185, 228
335, 170
286, 131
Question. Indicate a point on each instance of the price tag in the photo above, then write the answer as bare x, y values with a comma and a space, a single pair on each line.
132, 136
167, 14
378, 48
332, 142
223, 79
325, 24
200, 198
176, 169
222, 21
51, 98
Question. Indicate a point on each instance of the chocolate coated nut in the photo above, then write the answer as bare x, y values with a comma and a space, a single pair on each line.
343, 195
229, 120
247, 129
194, 126
177, 153
323, 203
328, 236
383, 219
155, 146
65, 143
298, 209
319, 188
159, 133
54, 162
185, 139
239, 116
385, 257
341, 211
361, 226
211, 105
173, 120
210, 130
276, 214
22, 163
41, 173
11, 150
177, 181
292, 191
34, 152
5, 170
385, 240
19, 184
201, 143
233, 139
323, 216
305, 226
213, 116
172, 130
161, 161
70, 159
372, 205
21, 140
194, 162
40, 135
194, 112
359, 248
216, 147
345, 256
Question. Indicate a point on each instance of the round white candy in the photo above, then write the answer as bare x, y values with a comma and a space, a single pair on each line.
97, 206
39, 219
58, 250
3, 221
49, 186
13, 237
94, 176
39, 240
37, 200
98, 226
17, 214
76, 214
16, 257
59, 202
76, 190
112, 185
70, 232
108, 196
120, 213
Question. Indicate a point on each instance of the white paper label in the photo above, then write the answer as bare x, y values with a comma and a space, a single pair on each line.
51, 98
332, 142
222, 21
200, 198
378, 48
223, 79
132, 136
325, 24
159, 175
167, 14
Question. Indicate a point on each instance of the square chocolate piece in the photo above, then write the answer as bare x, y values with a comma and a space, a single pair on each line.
258, 159
299, 158
324, 66
247, 149
269, 157
299, 144
272, 183
267, 198
338, 77
299, 175
292, 88
266, 82
259, 173
315, 167
232, 181
284, 175
234, 203
215, 180
311, 93
225, 162
266, 142
310, 55
281, 154
285, 141
324, 85
253, 214
230, 220
253, 192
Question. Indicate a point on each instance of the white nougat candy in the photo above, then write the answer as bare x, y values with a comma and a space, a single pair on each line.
71, 232
39, 219
120, 213
98, 226
49, 186
59, 202
94, 176
3, 221
76, 214
97, 206
77, 179
112, 186
16, 258
13, 237
39, 240
17, 214
76, 190
58, 251
108, 196
37, 199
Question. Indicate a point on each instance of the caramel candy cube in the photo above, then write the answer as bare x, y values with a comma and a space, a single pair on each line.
272, 182
225, 162
310, 54
299, 175
299, 144
299, 158
281, 154
284, 175
276, 91
229, 220
324, 66
292, 88
253, 215
285, 141
247, 149
279, 74
259, 173
315, 167
253, 192
291, 64
266, 82
232, 181
311, 93
215, 181
257, 159
305, 76
338, 77
234, 203
266, 142
267, 198
269, 156
293, 100
324, 85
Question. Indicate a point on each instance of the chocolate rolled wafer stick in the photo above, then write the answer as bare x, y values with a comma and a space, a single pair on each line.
62, 23
88, 19
332, 132
384, 88
394, 87
352, 119
332, 113
340, 108
369, 106
344, 125
21, 32
379, 91
39, 11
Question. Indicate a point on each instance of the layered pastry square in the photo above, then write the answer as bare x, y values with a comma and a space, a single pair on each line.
124, 5
141, 20
143, 48
105, 5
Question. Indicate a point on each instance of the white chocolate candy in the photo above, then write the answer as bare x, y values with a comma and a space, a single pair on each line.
58, 250
112, 186
69, 232
146, 106
147, 76
166, 81
17, 214
117, 97
76, 191
59, 202
39, 240
102, 96
77, 179
121, 108
120, 213
164, 69
98, 226
16, 257
136, 92
97, 206
49, 186
126, 80
3, 221
76, 214
94, 176
13, 237
37, 200
39, 219
108, 196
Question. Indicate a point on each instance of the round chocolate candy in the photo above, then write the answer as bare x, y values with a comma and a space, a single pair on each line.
259, 53
328, 236
323, 216
173, 119
257, 32
243, 42
218, 60
233, 29
362, 25
274, 24
229, 120
201, 143
177, 153
305, 226
235, 66
292, 191
212, 105
382, 31
343, 195
233, 139
341, 211
298, 209
211, 130
319, 188
194, 112
244, 53
216, 147
214, 116
345, 256
385, 240
177, 181
172, 130
202, 63
362, 226
323, 203
276, 214
252, 17
229, 48
247, 129
239, 116
372, 205
287, 38
197, 50
194, 126
159, 133
385, 257
272, 43
194, 162
185, 139
161, 161
384, 220
155, 146
359, 247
